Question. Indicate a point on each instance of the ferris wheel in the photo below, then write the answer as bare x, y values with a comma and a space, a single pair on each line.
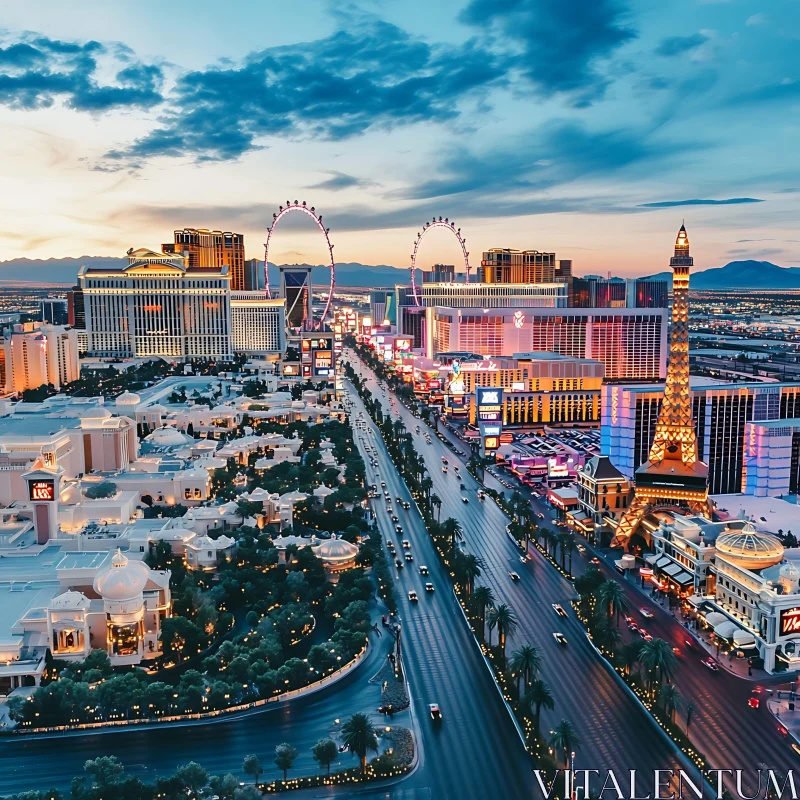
311, 212
436, 223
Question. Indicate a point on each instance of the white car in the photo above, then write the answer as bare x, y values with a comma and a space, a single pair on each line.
412, 595
646, 612
560, 638
428, 587
559, 610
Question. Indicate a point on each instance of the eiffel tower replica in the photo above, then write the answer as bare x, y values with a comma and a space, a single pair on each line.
672, 476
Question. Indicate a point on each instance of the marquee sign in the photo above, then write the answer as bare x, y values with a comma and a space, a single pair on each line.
790, 621
42, 490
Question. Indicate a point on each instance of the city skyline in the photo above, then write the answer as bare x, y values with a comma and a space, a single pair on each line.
591, 134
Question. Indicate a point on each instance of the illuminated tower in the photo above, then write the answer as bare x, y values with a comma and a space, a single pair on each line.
672, 476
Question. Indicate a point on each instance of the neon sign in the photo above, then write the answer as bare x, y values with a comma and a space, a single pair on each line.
519, 319
42, 490
790, 621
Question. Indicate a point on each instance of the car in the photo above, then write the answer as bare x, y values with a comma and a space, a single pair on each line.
406, 506
540, 515
406, 544
390, 544
753, 702
398, 528
429, 587
524, 559
796, 748
383, 486
409, 557
412, 596
435, 711
646, 612
399, 501
462, 487
646, 636
444, 469
444, 460
559, 610
581, 549
560, 638
678, 652
465, 500
480, 495
689, 642
398, 563
709, 663
514, 576
423, 570
395, 518
595, 560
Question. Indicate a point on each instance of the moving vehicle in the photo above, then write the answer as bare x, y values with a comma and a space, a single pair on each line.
412, 596
444, 460
560, 638
559, 610
514, 576
480, 495
595, 561
709, 663
406, 506
398, 563
409, 557
406, 544
436, 714
423, 570
444, 469
398, 528
753, 702
464, 500
646, 612
395, 518
428, 587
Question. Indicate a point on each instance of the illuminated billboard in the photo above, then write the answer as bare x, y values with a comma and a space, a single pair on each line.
790, 621
491, 442
42, 490
490, 403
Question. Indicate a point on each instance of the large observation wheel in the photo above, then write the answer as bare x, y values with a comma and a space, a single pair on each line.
311, 212
440, 223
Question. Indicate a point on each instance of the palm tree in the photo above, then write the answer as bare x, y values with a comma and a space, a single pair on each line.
525, 663
612, 596
689, 712
506, 621
452, 527
358, 734
537, 698
483, 597
436, 502
426, 484
629, 655
608, 637
469, 569
671, 698
659, 660
566, 739
569, 543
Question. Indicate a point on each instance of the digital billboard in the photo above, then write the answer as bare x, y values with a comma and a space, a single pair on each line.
42, 490
490, 403
790, 621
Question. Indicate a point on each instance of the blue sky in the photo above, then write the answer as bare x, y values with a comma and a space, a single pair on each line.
588, 127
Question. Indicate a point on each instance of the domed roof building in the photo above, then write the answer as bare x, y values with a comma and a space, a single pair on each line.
336, 554
167, 436
750, 549
124, 580
128, 399
96, 412
203, 552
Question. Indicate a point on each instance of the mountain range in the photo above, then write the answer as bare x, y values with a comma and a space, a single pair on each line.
63, 271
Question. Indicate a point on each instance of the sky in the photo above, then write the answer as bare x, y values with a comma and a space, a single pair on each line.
591, 128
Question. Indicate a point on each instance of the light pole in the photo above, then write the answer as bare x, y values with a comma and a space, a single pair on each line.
572, 775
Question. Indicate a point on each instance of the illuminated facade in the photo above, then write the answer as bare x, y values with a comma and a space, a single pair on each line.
212, 249
157, 305
33, 354
494, 295
631, 343
297, 291
538, 388
257, 323
747, 433
502, 265
673, 474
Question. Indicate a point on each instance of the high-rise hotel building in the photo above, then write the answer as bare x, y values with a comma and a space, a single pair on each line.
157, 305
212, 249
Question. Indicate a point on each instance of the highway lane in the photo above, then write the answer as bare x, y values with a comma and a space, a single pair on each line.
476, 751
617, 733
723, 727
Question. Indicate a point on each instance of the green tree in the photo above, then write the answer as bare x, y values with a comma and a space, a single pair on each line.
504, 619
192, 776
612, 596
285, 754
660, 662
104, 771
671, 699
325, 751
436, 502
566, 739
452, 528
252, 766
536, 698
358, 734
525, 663
483, 598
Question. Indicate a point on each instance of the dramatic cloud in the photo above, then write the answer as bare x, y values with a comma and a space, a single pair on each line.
340, 180
561, 42
731, 201
558, 153
676, 45
37, 73
372, 75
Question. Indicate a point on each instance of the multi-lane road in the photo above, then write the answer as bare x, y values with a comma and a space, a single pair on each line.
616, 732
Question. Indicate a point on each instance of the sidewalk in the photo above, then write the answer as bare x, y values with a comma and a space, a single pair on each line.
780, 710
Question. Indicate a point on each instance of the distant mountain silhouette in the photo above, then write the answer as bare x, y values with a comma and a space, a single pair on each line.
743, 275
64, 271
